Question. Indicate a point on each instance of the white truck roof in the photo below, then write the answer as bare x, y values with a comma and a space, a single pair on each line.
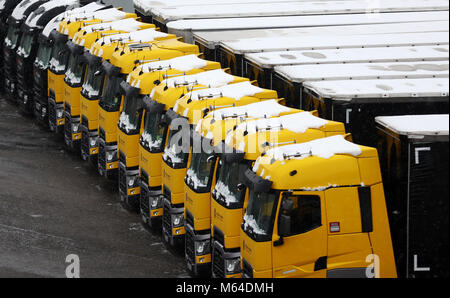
144, 35
212, 78
34, 16
212, 38
53, 24
269, 60
414, 125
186, 28
182, 63
275, 8
360, 71
383, 88
254, 45
18, 12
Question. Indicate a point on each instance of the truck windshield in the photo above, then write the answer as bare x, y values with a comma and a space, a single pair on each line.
12, 37
92, 86
58, 60
200, 171
259, 217
43, 55
131, 114
227, 191
26, 42
174, 154
111, 98
154, 131
75, 70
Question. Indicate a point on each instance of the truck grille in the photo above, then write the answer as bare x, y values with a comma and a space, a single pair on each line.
101, 156
67, 128
144, 176
166, 219
122, 179
144, 201
52, 112
85, 142
218, 263
190, 245
247, 271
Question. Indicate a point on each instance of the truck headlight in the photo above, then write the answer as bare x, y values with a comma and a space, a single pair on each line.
132, 181
111, 155
93, 141
202, 247
75, 127
156, 202
43, 112
177, 220
59, 113
233, 265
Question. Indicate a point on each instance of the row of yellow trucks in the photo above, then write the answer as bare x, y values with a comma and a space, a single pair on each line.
273, 177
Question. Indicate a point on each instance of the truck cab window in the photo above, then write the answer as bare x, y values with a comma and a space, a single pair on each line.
305, 214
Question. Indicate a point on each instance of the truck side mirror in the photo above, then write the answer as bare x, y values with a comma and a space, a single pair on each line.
284, 225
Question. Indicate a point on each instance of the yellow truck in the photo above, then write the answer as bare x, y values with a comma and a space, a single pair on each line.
76, 70
122, 63
316, 209
140, 83
154, 135
60, 55
205, 167
92, 87
229, 198
185, 114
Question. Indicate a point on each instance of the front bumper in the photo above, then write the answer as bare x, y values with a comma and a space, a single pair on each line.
198, 264
89, 142
55, 114
72, 134
107, 167
173, 235
151, 213
25, 100
129, 195
220, 257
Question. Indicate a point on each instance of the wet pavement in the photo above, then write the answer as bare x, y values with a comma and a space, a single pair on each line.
53, 204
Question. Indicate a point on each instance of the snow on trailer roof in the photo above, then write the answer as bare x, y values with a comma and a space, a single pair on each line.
53, 24
165, 15
182, 63
34, 16
413, 125
18, 12
213, 79
305, 21
379, 88
254, 45
148, 5
350, 55
212, 38
318, 72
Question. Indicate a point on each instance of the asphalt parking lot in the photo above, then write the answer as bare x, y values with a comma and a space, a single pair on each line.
52, 204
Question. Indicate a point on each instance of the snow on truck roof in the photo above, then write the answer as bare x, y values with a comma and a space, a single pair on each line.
379, 88
182, 63
254, 45
34, 16
263, 109
129, 25
106, 15
318, 72
213, 79
144, 35
416, 124
53, 24
19, 11
324, 148
213, 37
350, 55
305, 21
293, 8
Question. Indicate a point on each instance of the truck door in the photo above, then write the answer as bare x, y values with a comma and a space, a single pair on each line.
301, 251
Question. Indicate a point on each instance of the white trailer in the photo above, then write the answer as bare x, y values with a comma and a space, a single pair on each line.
260, 66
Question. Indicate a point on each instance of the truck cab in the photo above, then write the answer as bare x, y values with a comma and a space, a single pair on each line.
140, 83
316, 209
122, 63
92, 88
154, 135
76, 71
188, 111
